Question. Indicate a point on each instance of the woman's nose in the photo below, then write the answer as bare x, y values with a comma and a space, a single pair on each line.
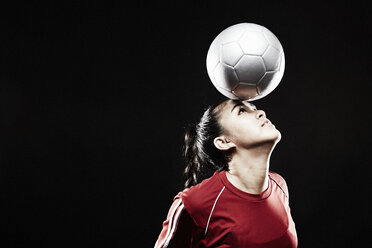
261, 114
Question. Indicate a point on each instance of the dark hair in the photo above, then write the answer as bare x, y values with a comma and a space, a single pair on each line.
202, 157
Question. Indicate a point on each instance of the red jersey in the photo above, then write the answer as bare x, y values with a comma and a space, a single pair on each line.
215, 213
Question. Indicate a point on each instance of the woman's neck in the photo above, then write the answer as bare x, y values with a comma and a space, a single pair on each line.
249, 169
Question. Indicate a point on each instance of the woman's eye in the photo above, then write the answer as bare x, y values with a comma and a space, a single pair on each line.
242, 110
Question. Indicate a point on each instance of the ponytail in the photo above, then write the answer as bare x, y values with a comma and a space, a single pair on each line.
192, 168
202, 158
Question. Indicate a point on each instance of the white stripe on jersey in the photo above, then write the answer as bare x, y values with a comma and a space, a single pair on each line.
206, 228
174, 225
176, 204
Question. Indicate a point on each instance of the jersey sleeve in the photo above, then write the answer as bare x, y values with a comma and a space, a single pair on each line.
177, 228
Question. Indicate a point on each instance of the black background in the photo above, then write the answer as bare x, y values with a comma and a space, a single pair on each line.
94, 99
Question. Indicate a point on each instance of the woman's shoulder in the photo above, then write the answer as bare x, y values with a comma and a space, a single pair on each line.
203, 189
279, 180
199, 199
276, 176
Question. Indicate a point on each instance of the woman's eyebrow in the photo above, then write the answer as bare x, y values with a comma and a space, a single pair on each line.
238, 104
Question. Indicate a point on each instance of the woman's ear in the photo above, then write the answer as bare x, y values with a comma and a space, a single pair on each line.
222, 143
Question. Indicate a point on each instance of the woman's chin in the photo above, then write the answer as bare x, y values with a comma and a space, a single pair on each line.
278, 136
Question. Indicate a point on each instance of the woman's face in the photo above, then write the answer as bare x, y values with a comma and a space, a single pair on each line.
246, 126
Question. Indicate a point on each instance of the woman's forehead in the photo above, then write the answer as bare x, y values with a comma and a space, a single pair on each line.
227, 106
232, 103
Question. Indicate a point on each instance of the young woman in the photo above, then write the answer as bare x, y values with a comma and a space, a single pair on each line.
243, 204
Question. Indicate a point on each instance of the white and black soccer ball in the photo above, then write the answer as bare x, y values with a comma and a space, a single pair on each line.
245, 61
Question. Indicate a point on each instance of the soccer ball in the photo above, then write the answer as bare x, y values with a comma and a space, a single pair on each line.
245, 61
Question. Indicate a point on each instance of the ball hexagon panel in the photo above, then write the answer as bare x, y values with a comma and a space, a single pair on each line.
231, 53
225, 76
213, 55
227, 93
273, 40
253, 43
252, 27
272, 59
256, 69
270, 81
245, 91
231, 34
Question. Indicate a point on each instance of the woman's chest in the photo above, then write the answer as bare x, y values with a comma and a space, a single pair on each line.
251, 224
